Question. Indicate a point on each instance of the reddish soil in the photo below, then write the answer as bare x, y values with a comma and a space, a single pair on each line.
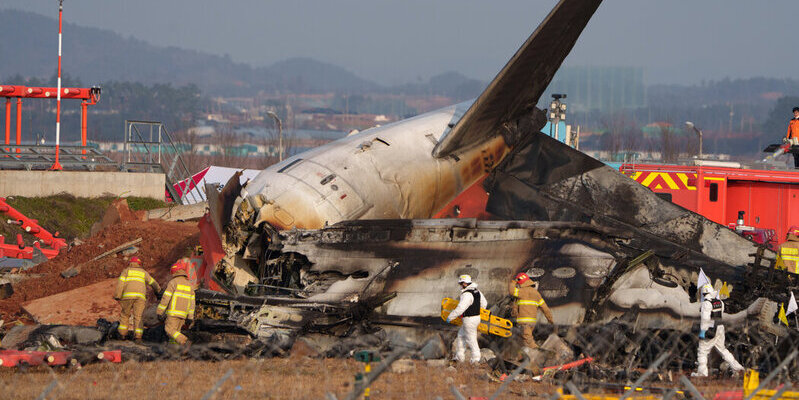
162, 243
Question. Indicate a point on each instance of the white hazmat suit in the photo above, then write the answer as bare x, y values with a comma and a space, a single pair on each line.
710, 319
467, 334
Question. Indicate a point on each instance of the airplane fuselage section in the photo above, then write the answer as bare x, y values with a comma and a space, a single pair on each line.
383, 172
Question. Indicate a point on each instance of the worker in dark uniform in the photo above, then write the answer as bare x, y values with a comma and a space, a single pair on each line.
793, 134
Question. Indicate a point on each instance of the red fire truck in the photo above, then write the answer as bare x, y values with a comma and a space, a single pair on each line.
761, 204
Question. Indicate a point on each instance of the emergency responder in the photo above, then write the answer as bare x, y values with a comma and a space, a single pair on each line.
131, 292
711, 332
793, 134
789, 250
177, 303
528, 301
469, 305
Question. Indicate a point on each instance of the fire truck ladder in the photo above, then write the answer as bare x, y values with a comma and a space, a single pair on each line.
150, 147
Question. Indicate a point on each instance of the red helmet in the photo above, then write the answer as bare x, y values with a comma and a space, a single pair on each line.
522, 277
135, 260
178, 266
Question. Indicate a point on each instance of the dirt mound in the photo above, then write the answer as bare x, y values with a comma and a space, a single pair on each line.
162, 243
118, 211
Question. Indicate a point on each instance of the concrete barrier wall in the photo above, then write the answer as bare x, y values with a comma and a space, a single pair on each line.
81, 184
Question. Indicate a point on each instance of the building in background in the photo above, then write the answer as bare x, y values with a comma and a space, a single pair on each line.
603, 89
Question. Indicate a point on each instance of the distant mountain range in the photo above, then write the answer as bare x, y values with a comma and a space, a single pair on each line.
28, 47
94, 56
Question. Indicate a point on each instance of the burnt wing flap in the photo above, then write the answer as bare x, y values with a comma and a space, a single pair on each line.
517, 88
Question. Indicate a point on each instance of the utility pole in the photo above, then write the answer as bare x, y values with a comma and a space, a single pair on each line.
731, 115
279, 134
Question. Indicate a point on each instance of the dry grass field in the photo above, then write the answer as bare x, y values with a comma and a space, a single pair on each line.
276, 378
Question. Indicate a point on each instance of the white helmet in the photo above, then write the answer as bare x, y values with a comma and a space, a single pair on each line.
465, 279
707, 289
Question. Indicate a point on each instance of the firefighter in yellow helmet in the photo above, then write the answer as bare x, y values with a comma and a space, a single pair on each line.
525, 309
789, 251
131, 292
177, 303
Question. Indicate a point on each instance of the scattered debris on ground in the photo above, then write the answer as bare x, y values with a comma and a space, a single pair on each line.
127, 249
177, 212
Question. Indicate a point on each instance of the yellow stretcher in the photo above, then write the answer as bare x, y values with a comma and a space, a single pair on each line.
489, 324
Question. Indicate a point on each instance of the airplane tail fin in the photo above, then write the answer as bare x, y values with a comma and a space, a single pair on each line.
519, 85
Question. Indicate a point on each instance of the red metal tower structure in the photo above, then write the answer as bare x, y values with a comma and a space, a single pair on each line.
89, 97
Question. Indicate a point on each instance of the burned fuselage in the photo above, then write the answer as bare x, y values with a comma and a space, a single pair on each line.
586, 273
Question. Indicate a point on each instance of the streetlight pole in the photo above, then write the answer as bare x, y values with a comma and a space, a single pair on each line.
698, 131
279, 134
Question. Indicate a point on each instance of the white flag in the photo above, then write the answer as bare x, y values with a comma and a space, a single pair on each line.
792, 306
702, 280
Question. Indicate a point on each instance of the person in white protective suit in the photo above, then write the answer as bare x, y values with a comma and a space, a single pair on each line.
711, 332
469, 305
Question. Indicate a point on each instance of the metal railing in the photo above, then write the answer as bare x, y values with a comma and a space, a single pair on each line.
40, 157
149, 145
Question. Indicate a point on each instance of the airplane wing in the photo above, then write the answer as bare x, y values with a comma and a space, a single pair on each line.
517, 88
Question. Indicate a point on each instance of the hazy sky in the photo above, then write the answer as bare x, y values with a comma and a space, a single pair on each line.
396, 41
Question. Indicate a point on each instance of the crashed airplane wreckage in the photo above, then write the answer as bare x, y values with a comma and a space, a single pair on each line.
343, 233
595, 262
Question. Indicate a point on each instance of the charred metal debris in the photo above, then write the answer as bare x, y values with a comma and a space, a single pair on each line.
348, 274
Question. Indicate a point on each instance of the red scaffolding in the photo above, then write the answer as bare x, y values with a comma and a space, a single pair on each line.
89, 97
